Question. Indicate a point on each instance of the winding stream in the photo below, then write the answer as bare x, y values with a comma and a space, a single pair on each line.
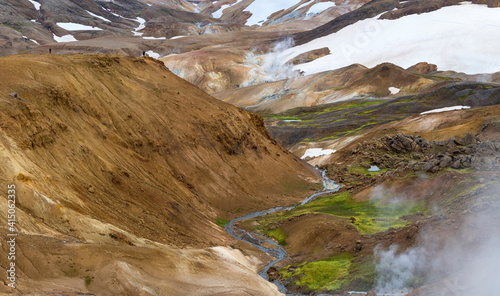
263, 242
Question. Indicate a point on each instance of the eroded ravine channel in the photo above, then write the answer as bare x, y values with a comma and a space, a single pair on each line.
266, 244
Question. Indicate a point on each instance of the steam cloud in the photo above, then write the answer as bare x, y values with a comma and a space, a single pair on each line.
466, 264
271, 66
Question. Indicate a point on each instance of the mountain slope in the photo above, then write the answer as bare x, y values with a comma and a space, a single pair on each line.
455, 37
118, 151
350, 82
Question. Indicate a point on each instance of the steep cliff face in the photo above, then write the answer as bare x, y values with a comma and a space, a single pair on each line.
119, 151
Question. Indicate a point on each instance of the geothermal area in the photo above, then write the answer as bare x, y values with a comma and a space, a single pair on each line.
250, 147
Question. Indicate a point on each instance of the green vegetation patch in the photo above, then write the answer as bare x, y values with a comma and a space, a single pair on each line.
369, 216
460, 171
365, 171
278, 234
349, 105
221, 222
280, 117
335, 274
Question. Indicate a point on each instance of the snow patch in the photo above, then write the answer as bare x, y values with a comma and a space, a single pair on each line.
316, 152
98, 16
454, 108
320, 7
394, 90
154, 38
218, 13
177, 37
152, 54
34, 41
142, 25
140, 20
262, 9
65, 38
115, 14
36, 4
77, 27
468, 29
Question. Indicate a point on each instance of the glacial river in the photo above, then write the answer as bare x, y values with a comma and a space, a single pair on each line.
262, 242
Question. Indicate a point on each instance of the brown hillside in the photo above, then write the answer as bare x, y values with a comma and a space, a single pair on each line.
125, 141
120, 151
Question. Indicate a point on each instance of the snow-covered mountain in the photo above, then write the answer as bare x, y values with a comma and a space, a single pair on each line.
261, 12
460, 38
28, 24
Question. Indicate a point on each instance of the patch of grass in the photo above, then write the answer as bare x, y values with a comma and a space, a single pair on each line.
434, 77
460, 171
366, 112
364, 171
221, 222
370, 216
324, 274
278, 234
349, 105
280, 117
334, 274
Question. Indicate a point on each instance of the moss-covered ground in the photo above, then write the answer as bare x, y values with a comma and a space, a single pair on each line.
330, 121
333, 274
370, 216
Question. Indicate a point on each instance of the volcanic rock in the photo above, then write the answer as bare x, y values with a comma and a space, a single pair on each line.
310, 56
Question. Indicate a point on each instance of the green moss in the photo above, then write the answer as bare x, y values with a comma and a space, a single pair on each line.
349, 105
335, 274
221, 222
324, 274
370, 216
366, 112
460, 171
364, 171
278, 234
280, 117
432, 77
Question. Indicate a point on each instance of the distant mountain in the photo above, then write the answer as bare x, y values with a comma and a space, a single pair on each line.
453, 35
139, 25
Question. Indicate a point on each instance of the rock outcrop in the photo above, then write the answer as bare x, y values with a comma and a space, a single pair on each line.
423, 68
